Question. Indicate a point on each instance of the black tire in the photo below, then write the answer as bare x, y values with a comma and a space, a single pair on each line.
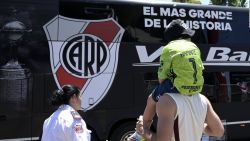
122, 132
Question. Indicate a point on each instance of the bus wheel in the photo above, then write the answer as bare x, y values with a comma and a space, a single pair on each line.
122, 132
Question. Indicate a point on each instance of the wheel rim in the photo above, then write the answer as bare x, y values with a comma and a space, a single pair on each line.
127, 135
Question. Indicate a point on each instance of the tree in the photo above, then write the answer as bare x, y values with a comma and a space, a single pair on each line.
235, 3
188, 1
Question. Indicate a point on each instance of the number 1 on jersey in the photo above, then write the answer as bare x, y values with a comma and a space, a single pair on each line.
192, 60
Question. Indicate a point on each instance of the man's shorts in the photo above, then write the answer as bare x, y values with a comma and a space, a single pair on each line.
165, 87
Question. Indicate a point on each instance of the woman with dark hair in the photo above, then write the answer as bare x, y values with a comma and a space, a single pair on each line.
65, 124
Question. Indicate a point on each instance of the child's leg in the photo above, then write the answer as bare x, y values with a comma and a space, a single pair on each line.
164, 87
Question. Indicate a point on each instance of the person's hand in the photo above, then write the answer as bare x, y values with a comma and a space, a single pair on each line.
145, 133
139, 128
139, 125
204, 127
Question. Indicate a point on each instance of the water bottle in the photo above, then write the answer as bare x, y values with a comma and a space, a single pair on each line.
136, 137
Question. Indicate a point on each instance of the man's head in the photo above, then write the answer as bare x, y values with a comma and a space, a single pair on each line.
177, 29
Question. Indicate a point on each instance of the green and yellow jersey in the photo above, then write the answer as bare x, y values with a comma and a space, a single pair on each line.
181, 62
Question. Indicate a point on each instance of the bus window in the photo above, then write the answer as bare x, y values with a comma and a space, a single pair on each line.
151, 81
219, 87
224, 87
241, 82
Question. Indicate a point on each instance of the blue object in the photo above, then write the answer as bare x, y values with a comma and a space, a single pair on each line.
165, 87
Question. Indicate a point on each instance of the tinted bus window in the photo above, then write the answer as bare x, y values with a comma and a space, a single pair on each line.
219, 87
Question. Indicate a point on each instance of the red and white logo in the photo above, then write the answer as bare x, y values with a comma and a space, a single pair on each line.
84, 53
